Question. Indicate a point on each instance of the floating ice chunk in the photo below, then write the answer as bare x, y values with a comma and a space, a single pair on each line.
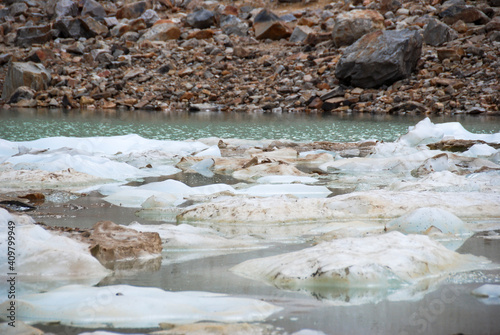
187, 237
204, 166
489, 294
286, 180
424, 132
171, 191
388, 260
423, 220
115, 144
315, 152
480, 150
212, 151
93, 165
437, 163
43, 255
135, 197
123, 306
298, 190
20, 329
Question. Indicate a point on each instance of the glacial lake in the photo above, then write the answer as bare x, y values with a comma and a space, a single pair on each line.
448, 308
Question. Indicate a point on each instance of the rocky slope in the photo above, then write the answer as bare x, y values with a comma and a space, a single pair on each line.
353, 56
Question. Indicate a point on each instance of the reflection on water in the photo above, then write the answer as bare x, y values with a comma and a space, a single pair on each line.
29, 124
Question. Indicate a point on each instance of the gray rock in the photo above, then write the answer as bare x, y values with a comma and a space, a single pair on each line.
92, 27
65, 8
21, 93
32, 75
232, 25
70, 27
380, 58
26, 36
350, 26
300, 34
150, 17
94, 9
437, 33
18, 8
268, 25
201, 18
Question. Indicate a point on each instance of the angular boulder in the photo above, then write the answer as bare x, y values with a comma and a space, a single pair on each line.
21, 93
60, 8
70, 28
92, 27
111, 242
350, 26
201, 18
380, 58
33, 75
268, 25
301, 33
26, 36
437, 33
93, 8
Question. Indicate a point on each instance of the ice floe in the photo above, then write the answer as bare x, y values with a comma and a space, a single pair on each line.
123, 306
391, 260
44, 259
488, 294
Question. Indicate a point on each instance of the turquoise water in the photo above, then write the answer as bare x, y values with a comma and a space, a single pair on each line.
29, 124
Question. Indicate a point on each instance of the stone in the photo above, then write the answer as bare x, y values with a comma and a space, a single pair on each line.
300, 34
70, 28
26, 36
133, 10
161, 32
380, 58
268, 25
468, 14
93, 8
150, 17
494, 3
21, 93
110, 242
454, 53
350, 26
40, 55
18, 8
232, 25
437, 33
493, 25
32, 75
201, 19
62, 8
92, 27
201, 34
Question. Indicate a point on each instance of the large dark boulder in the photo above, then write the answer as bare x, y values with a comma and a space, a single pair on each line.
467, 14
380, 58
32, 75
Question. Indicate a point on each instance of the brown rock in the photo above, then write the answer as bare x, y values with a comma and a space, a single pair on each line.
273, 30
468, 14
454, 54
350, 26
133, 10
317, 103
162, 32
26, 36
201, 34
111, 242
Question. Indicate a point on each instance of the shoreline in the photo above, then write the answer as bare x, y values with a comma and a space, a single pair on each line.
214, 67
